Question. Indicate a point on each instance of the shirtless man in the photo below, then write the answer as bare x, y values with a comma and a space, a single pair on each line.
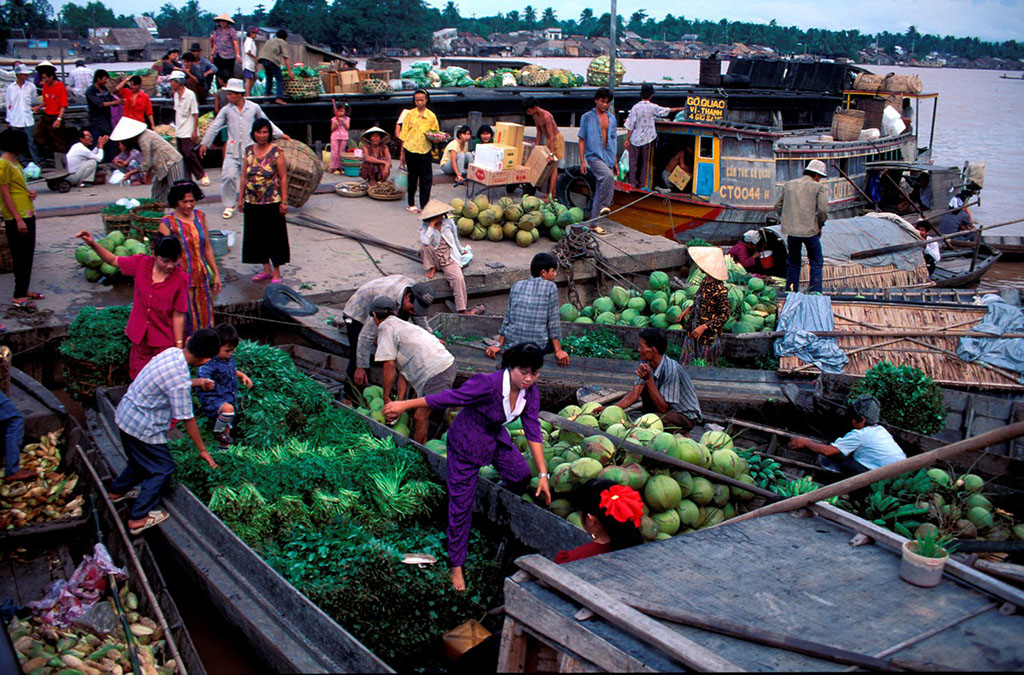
547, 134
684, 159
598, 147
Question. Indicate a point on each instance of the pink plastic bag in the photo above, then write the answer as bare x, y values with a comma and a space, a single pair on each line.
68, 600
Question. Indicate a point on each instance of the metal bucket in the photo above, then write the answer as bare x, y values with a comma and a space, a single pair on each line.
219, 242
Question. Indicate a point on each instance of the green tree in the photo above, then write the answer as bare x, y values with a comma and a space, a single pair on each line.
450, 14
80, 19
259, 13
529, 16
25, 14
636, 20
512, 20
188, 19
549, 18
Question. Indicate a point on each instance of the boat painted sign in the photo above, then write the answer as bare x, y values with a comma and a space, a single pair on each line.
705, 108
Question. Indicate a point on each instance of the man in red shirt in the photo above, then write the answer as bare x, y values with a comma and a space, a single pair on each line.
49, 131
137, 105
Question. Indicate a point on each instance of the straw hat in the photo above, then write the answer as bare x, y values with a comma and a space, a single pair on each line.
817, 166
127, 128
224, 17
434, 208
710, 259
385, 137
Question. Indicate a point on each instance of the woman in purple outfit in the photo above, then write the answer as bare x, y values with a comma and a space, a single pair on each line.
478, 437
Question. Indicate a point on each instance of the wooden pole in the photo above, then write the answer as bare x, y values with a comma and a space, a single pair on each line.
658, 456
882, 333
871, 252
987, 439
858, 188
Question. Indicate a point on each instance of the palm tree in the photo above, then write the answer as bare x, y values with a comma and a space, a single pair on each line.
549, 17
586, 16
529, 16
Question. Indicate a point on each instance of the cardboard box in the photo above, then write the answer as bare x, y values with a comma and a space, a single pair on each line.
484, 176
488, 156
513, 156
538, 166
508, 133
348, 76
519, 174
679, 178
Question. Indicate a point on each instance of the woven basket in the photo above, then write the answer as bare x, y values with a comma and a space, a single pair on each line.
120, 222
302, 87
847, 124
6, 259
83, 378
599, 78
353, 189
305, 170
144, 227
149, 83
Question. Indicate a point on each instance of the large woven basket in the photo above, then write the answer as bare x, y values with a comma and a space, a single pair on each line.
847, 124
121, 222
305, 170
83, 378
145, 227
149, 83
6, 259
302, 87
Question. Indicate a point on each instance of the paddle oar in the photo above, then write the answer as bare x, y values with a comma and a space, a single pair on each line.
872, 252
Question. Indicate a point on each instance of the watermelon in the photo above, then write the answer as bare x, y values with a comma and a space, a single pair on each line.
756, 285
659, 306
619, 295
577, 214
659, 321
658, 280
605, 318
568, 313
584, 319
108, 270
604, 304
662, 493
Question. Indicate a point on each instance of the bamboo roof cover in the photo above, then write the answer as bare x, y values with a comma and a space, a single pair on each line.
935, 356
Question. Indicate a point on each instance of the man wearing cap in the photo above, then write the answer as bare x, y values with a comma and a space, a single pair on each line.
867, 446
415, 355
413, 301
237, 117
20, 98
274, 58
802, 205
249, 58
137, 105
206, 67
186, 126
158, 156
83, 159
957, 219
80, 78
49, 131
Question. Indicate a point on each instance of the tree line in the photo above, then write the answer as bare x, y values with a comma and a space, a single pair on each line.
371, 25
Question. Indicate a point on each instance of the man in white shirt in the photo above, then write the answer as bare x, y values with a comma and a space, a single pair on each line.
866, 447
83, 158
186, 126
249, 59
21, 96
80, 78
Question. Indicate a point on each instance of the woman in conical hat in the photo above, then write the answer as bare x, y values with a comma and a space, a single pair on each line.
704, 320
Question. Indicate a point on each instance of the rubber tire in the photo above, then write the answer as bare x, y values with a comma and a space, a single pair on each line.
286, 300
64, 186
568, 189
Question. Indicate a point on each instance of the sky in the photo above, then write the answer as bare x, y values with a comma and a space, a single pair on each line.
997, 20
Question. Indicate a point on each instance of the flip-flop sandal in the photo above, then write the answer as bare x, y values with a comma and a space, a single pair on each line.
599, 230
277, 281
154, 518
131, 494
262, 276
24, 304
412, 209
35, 296
228, 212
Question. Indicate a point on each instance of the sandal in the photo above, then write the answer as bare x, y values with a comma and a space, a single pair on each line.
152, 519
412, 209
35, 296
262, 276
228, 212
597, 229
117, 499
277, 281
24, 304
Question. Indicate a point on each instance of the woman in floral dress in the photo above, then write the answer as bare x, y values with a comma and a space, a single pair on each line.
704, 320
188, 224
263, 200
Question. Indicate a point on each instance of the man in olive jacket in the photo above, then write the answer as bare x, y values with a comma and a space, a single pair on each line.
802, 205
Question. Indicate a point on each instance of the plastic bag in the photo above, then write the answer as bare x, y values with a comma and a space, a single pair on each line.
508, 80
624, 166
467, 256
116, 177
128, 203
32, 171
71, 599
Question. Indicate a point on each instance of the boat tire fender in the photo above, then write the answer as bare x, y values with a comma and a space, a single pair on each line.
288, 301
570, 186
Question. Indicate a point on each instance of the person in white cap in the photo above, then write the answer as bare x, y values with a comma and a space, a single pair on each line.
186, 126
21, 96
83, 158
237, 117
224, 45
158, 156
802, 204
957, 219
746, 250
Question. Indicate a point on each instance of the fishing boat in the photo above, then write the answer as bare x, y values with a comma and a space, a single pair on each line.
731, 170
1011, 77
1010, 247
45, 552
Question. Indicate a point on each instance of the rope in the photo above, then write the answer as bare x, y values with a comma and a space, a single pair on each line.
28, 316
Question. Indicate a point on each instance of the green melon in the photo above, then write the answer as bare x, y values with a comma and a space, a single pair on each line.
577, 214
108, 270
685, 480
465, 226
605, 318
619, 295
611, 414
495, 233
716, 440
456, 205
486, 218
568, 312
639, 304
508, 230
658, 280
603, 304
82, 254
703, 491
667, 522
513, 213
662, 493
481, 202
688, 513
92, 275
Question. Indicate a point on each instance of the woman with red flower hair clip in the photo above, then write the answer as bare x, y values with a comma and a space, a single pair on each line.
610, 514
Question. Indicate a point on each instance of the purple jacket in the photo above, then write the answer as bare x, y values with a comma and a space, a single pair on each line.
479, 428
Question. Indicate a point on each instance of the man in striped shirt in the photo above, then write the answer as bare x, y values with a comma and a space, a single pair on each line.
532, 314
662, 384
162, 391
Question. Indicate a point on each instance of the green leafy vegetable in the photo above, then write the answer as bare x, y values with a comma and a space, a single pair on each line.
909, 398
97, 336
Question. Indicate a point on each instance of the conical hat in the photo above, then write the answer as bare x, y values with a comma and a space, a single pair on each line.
434, 208
385, 137
224, 17
710, 259
127, 128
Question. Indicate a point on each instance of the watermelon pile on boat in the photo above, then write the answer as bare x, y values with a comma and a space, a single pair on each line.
523, 222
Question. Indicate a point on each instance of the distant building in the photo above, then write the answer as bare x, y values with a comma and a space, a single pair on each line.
39, 49
125, 44
553, 33
688, 37
146, 23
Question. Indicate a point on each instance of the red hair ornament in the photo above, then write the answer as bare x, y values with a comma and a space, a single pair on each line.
622, 503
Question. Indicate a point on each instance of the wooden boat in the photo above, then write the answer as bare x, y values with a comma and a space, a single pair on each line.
797, 577
1011, 77
51, 550
1010, 246
736, 170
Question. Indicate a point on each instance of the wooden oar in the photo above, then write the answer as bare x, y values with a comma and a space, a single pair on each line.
578, 428
872, 252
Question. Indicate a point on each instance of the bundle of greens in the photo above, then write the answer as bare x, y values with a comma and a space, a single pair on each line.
97, 336
909, 398
600, 343
114, 210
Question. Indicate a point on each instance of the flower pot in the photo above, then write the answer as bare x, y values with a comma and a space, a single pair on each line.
919, 570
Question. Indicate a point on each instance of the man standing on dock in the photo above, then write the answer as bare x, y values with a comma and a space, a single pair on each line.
803, 206
547, 134
598, 143
21, 94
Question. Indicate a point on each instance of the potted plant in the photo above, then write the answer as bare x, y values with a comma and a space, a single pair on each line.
924, 558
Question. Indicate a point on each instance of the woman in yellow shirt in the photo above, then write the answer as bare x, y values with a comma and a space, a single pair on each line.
416, 148
456, 156
19, 215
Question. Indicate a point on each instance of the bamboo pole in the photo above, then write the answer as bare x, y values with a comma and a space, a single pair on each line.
883, 333
870, 253
925, 459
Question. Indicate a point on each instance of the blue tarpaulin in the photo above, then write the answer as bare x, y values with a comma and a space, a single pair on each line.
1004, 352
802, 315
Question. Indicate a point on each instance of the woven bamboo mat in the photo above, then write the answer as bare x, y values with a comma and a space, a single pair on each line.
838, 275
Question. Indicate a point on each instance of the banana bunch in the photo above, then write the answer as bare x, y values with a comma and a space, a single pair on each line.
49, 497
765, 471
792, 488
908, 486
887, 510
43, 648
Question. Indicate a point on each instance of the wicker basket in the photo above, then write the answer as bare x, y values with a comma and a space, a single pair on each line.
144, 227
302, 87
599, 78
83, 378
847, 124
121, 222
149, 83
6, 259
305, 170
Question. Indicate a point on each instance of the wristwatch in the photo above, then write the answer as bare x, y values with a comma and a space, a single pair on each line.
544, 475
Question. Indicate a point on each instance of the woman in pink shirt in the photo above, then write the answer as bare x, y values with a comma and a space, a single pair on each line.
160, 302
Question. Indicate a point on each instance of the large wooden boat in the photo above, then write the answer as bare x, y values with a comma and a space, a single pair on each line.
46, 552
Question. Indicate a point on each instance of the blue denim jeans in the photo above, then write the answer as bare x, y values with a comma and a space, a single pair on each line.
12, 429
274, 73
813, 245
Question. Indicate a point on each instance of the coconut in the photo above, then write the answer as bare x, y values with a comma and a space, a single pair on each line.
648, 528
615, 474
1018, 531
973, 483
688, 513
619, 295
667, 522
470, 210
603, 304
725, 462
721, 494
576, 518
980, 517
926, 529
716, 440
939, 476
585, 468
650, 421
664, 442
560, 507
658, 281
703, 492
688, 450
980, 501
662, 493
499, 213
611, 415
628, 315
636, 474
598, 447
739, 493
705, 456
965, 529
523, 238
685, 481
567, 312
606, 318
712, 516
618, 430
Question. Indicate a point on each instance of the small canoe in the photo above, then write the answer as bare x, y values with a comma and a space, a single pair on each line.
958, 269
1011, 245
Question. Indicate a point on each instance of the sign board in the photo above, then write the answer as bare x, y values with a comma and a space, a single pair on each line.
706, 108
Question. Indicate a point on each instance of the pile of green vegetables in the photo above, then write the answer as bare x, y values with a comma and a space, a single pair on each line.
97, 336
305, 72
600, 343
910, 399
114, 210
334, 509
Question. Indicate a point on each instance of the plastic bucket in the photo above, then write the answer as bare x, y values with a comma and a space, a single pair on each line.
919, 570
402, 180
219, 242
352, 171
